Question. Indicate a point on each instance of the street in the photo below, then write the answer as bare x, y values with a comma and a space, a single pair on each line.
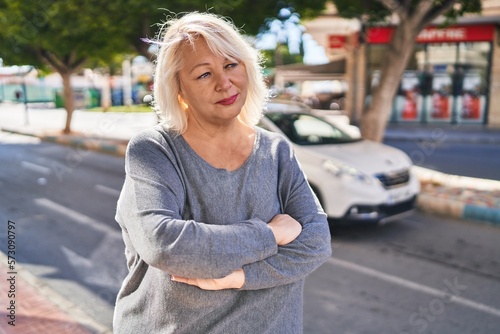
400, 278
63, 202
422, 274
454, 157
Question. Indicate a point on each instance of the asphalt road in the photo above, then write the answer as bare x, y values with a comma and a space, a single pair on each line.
423, 274
63, 202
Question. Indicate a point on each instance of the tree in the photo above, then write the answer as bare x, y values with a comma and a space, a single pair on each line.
143, 17
413, 16
64, 35
60, 34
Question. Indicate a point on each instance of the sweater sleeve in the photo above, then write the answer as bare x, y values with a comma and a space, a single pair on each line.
311, 248
150, 210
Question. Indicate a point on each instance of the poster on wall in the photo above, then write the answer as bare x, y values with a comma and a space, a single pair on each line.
374, 83
409, 100
441, 101
472, 100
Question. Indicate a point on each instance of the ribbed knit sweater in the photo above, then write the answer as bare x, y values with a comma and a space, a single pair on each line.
181, 216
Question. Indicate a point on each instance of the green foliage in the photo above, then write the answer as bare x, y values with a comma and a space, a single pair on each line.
71, 31
373, 11
145, 17
98, 30
465, 6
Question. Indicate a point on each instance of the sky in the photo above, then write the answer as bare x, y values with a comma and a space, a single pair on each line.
314, 54
279, 31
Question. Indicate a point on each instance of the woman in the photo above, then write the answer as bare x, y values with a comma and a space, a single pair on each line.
219, 223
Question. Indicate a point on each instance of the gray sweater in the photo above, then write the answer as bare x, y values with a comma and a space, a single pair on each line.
181, 216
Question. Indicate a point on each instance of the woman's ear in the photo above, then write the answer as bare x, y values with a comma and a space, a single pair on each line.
183, 103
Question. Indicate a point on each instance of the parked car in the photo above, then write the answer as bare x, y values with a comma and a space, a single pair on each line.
356, 180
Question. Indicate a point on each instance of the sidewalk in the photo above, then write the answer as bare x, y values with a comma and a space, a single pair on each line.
35, 308
459, 197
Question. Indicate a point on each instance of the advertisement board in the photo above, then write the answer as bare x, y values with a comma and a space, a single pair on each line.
472, 100
441, 100
409, 100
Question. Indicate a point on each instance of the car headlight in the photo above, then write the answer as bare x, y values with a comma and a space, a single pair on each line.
346, 172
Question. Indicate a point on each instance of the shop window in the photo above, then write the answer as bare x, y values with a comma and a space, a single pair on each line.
471, 88
408, 103
443, 82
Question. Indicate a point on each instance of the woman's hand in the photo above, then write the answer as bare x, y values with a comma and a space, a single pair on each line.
285, 229
235, 280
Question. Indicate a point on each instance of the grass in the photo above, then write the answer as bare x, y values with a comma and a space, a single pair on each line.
132, 108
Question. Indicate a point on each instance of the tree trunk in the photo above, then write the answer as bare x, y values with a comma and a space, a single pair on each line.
374, 120
69, 99
65, 66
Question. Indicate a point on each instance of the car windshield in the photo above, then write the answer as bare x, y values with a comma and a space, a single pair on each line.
304, 129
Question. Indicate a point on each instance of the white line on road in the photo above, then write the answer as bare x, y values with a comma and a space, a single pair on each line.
35, 168
76, 216
107, 190
416, 286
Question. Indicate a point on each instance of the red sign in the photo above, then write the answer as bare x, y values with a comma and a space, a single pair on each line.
336, 41
456, 33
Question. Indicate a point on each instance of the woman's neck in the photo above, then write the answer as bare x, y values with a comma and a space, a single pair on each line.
216, 131
227, 146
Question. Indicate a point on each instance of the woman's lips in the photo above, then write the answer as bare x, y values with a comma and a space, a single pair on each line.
230, 100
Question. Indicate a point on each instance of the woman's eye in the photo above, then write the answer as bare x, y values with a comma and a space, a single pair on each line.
204, 75
231, 65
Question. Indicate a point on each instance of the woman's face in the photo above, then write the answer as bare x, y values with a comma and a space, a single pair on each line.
213, 88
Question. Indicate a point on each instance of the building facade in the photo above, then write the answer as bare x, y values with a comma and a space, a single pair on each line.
452, 77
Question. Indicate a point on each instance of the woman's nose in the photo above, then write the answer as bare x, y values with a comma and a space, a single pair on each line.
223, 82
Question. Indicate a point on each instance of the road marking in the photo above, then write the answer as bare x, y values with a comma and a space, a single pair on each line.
76, 216
107, 190
36, 168
416, 286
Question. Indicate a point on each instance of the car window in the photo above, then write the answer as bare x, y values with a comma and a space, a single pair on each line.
304, 129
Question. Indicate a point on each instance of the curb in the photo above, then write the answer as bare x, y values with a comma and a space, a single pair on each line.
89, 143
104, 145
448, 139
455, 208
459, 210
66, 306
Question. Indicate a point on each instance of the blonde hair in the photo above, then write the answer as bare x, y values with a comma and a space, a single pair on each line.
224, 39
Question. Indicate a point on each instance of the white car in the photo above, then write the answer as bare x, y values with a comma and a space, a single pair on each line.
356, 180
